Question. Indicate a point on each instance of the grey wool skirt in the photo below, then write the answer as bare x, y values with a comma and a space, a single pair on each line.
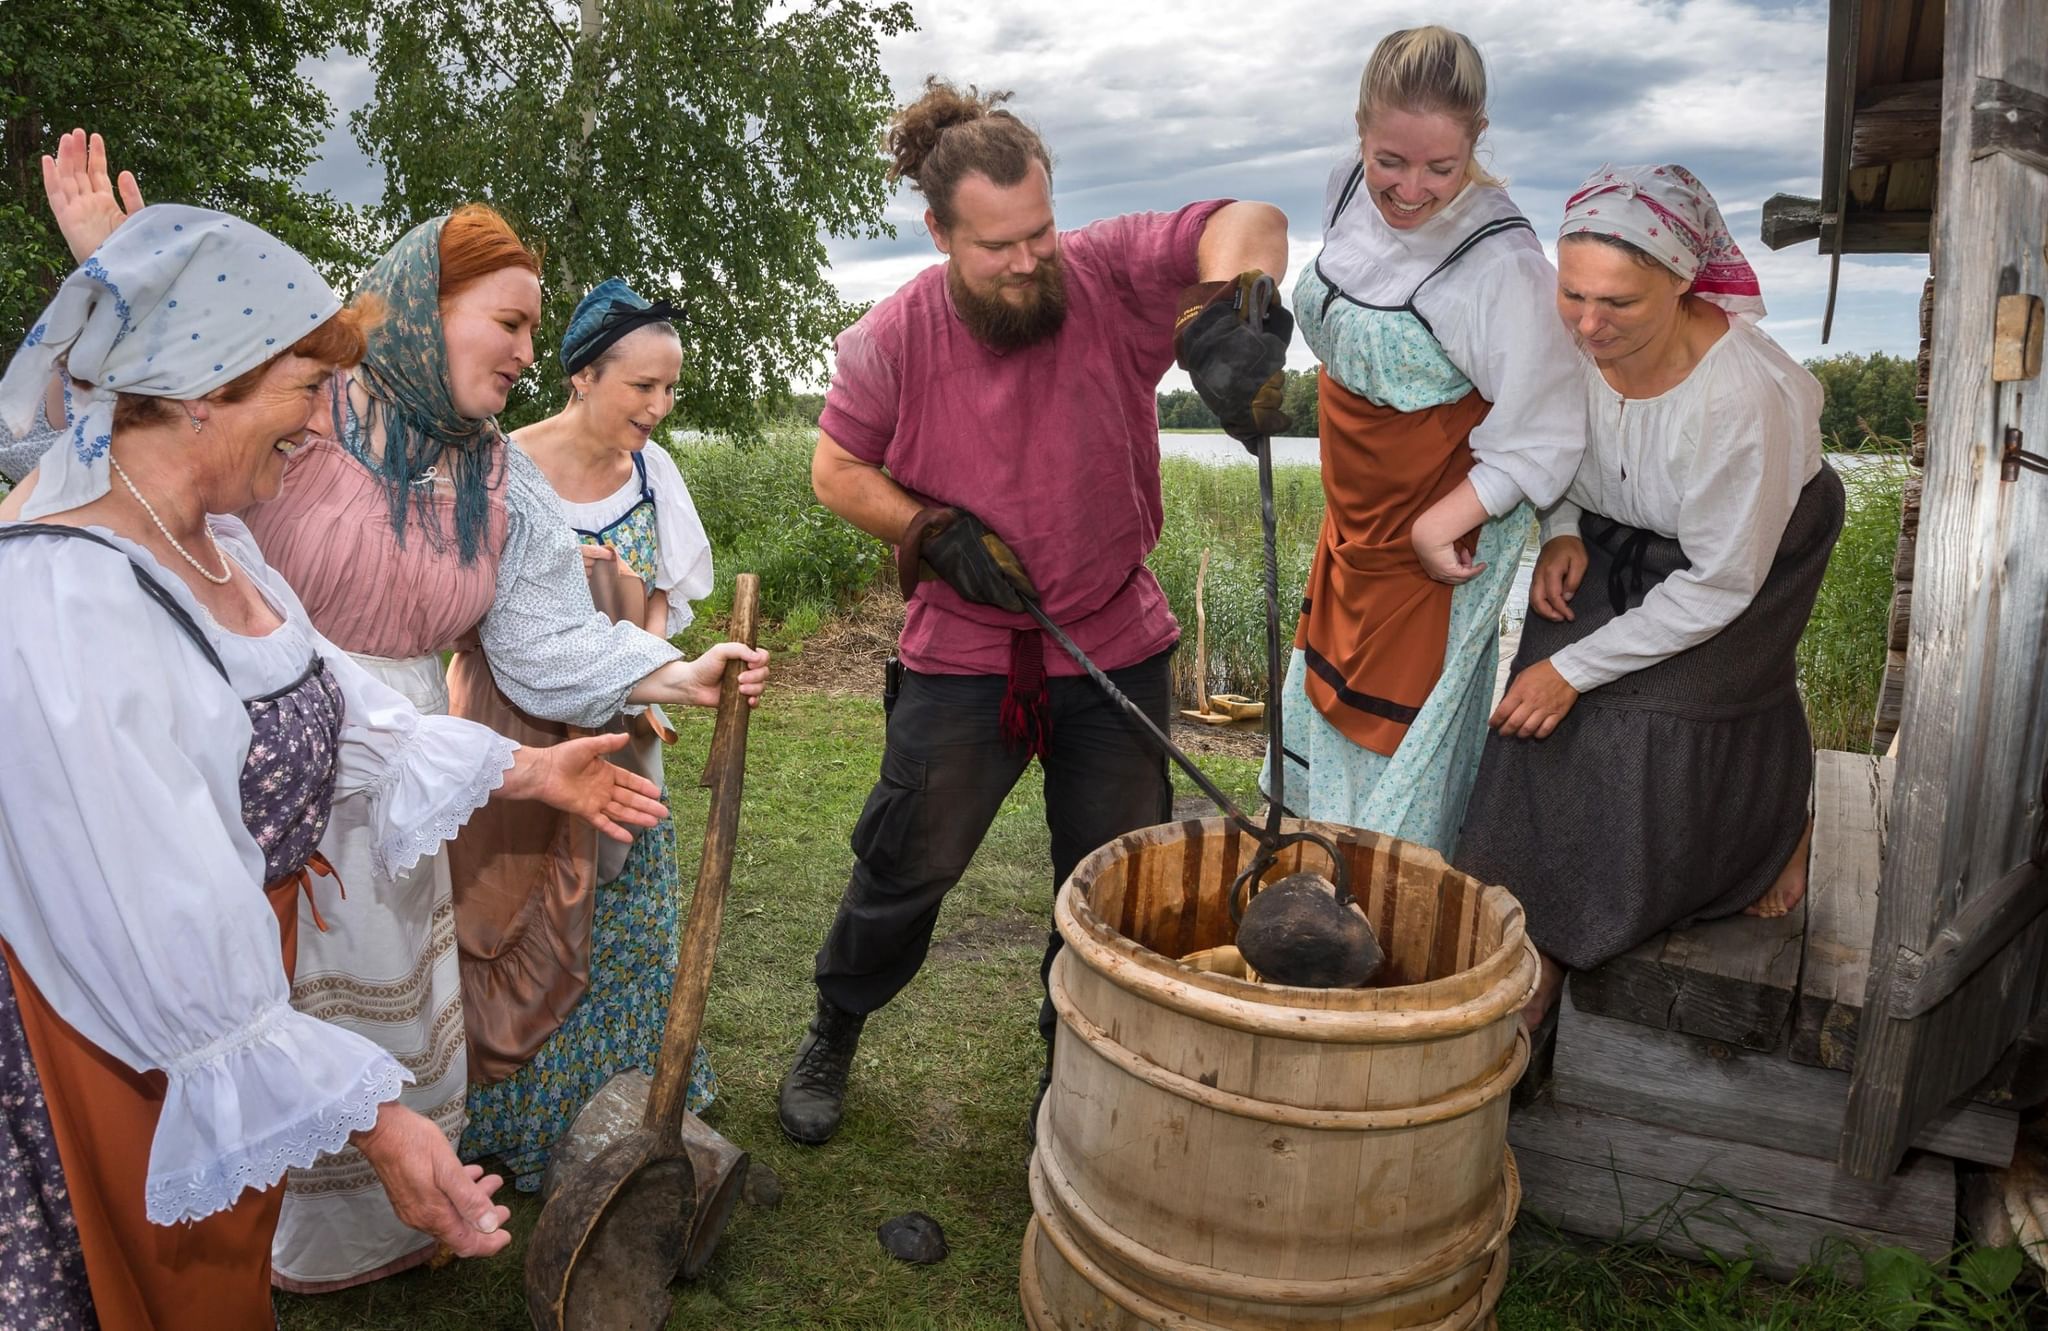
1673, 794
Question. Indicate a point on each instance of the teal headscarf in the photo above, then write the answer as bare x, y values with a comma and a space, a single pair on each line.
405, 370
602, 318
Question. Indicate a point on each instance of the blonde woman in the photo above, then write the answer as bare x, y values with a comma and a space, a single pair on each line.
1448, 409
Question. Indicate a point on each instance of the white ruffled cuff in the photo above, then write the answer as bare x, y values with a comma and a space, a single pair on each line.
446, 771
274, 1095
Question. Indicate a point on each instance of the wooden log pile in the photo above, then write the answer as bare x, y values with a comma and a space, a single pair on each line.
1698, 1085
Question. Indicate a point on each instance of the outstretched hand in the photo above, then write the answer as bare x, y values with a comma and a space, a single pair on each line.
430, 1189
82, 198
575, 777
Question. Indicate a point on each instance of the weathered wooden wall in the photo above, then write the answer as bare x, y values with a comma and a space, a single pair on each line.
1975, 727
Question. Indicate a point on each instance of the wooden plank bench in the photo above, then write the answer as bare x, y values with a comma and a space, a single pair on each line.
1851, 796
1734, 979
1616, 1178
1687, 1084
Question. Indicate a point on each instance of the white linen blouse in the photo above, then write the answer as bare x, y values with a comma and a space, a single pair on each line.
1716, 463
1494, 312
130, 890
683, 561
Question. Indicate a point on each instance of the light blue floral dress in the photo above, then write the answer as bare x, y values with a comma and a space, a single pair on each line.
1357, 308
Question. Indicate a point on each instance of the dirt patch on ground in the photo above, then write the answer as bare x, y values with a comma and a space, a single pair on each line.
846, 655
987, 936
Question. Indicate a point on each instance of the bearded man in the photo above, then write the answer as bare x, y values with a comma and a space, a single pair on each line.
995, 420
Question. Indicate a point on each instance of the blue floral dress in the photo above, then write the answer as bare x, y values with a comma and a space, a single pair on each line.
635, 936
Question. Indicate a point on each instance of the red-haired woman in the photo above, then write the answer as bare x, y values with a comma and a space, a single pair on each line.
420, 530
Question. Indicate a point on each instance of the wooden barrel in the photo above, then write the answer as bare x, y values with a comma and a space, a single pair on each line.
1215, 1153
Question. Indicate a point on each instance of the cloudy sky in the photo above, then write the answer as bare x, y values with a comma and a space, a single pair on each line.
1148, 104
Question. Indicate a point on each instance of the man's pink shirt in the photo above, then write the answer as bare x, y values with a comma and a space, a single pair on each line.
1054, 446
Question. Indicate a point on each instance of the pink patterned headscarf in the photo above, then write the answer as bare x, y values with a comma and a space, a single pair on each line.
1665, 212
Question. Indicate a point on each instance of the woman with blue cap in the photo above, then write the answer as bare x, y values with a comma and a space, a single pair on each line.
569, 946
179, 734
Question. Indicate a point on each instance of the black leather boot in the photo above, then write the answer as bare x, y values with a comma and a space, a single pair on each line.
813, 1094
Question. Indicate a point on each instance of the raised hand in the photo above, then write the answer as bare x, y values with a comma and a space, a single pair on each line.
82, 198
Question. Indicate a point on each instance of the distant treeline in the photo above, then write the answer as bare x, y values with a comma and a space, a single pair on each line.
1869, 402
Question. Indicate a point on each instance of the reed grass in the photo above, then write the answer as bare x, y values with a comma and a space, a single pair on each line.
1842, 652
1217, 509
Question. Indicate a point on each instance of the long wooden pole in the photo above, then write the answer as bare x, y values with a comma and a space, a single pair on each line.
725, 776
1201, 637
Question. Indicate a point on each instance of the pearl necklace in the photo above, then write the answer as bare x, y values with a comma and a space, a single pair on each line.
227, 568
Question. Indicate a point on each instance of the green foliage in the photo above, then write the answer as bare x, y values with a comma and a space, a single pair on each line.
697, 149
1869, 399
1842, 652
1182, 409
1217, 508
798, 409
756, 502
203, 102
1626, 1287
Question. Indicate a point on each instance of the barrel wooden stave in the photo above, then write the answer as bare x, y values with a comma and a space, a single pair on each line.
1221, 1153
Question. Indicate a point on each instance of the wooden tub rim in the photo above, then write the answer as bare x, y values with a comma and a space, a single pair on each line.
1397, 1014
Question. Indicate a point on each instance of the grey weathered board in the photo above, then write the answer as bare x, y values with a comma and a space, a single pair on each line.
1851, 795
1732, 979
1705, 1087
1975, 722
1612, 1177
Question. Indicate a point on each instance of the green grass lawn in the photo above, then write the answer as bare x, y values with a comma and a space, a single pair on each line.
935, 1120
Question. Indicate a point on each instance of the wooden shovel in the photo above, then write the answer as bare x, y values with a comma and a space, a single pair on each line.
612, 1236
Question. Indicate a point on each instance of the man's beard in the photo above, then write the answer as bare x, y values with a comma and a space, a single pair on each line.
1001, 326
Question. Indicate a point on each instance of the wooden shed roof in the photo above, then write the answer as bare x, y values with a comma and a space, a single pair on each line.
1882, 138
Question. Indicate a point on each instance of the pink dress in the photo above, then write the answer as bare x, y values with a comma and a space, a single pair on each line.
387, 966
329, 533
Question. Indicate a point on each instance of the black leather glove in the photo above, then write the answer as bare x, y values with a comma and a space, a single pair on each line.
1236, 370
953, 544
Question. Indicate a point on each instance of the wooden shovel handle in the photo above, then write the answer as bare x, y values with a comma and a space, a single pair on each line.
714, 876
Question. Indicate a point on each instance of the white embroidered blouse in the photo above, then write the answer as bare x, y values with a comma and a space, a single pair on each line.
1716, 463
131, 891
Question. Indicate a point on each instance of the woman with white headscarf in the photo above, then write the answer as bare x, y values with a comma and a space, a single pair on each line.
177, 736
1651, 760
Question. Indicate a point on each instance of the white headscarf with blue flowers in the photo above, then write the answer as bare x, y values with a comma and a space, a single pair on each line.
177, 302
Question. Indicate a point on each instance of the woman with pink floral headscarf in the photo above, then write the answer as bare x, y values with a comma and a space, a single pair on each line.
1656, 680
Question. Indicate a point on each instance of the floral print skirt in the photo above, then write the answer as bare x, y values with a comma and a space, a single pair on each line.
42, 1271
616, 1027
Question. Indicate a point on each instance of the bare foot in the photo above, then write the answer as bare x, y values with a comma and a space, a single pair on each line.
1549, 981
1790, 889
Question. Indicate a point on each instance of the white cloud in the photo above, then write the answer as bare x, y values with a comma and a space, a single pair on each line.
1151, 103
